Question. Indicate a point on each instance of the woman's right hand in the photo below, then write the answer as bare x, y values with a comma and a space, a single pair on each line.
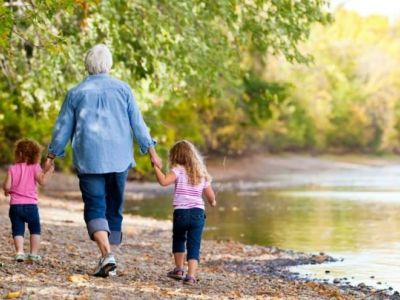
154, 158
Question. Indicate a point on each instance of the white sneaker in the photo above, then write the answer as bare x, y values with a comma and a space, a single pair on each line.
20, 257
106, 265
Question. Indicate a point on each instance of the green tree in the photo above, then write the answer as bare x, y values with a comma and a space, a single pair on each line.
186, 59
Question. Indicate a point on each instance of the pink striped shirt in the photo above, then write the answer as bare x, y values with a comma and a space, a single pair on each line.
187, 196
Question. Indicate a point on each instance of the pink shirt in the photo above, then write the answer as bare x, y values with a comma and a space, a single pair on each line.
23, 183
186, 195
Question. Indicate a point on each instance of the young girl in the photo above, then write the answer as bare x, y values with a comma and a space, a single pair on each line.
191, 180
20, 183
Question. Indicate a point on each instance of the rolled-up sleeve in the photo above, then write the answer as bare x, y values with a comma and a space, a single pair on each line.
139, 128
63, 129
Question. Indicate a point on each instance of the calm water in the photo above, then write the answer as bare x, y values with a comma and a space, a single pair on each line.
359, 222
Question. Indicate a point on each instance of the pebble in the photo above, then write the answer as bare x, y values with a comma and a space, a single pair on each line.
362, 285
327, 272
336, 280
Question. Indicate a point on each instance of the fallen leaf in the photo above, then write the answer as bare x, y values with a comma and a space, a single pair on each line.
70, 248
76, 278
13, 295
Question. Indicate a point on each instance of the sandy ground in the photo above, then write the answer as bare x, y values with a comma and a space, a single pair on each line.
229, 270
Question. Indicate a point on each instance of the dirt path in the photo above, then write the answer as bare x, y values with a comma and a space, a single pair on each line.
229, 270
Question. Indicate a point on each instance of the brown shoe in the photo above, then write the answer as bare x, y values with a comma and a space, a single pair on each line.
189, 280
176, 273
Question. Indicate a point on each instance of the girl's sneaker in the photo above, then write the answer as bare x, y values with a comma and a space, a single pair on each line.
20, 257
35, 257
189, 280
176, 273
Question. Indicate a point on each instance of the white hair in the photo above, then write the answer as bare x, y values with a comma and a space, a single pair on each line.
98, 60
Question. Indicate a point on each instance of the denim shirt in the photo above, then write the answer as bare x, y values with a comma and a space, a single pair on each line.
101, 117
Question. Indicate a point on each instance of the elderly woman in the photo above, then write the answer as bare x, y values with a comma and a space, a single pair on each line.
100, 116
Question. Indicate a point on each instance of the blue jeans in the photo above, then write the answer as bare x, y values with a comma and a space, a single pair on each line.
24, 213
103, 197
187, 229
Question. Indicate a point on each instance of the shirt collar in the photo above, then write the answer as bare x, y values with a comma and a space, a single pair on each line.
100, 75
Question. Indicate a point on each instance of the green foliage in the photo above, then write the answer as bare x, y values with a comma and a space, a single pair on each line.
348, 97
186, 60
260, 95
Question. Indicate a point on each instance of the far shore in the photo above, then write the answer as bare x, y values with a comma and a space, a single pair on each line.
246, 173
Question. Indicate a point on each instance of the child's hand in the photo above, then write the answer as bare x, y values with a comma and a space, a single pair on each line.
49, 166
6, 192
49, 163
156, 161
157, 167
51, 169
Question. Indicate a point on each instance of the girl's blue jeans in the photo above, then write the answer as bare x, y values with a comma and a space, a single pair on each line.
24, 213
187, 230
103, 197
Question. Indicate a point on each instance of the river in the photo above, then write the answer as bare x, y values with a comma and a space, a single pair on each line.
350, 214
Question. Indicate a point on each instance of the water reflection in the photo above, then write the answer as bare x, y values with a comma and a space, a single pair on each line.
375, 267
306, 221
363, 227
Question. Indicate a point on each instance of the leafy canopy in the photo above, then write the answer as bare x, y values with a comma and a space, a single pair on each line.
191, 54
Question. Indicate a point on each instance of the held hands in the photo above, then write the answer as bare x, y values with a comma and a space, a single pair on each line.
154, 158
48, 165
156, 161
50, 170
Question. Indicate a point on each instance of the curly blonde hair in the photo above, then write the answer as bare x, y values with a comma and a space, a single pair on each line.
185, 154
27, 151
